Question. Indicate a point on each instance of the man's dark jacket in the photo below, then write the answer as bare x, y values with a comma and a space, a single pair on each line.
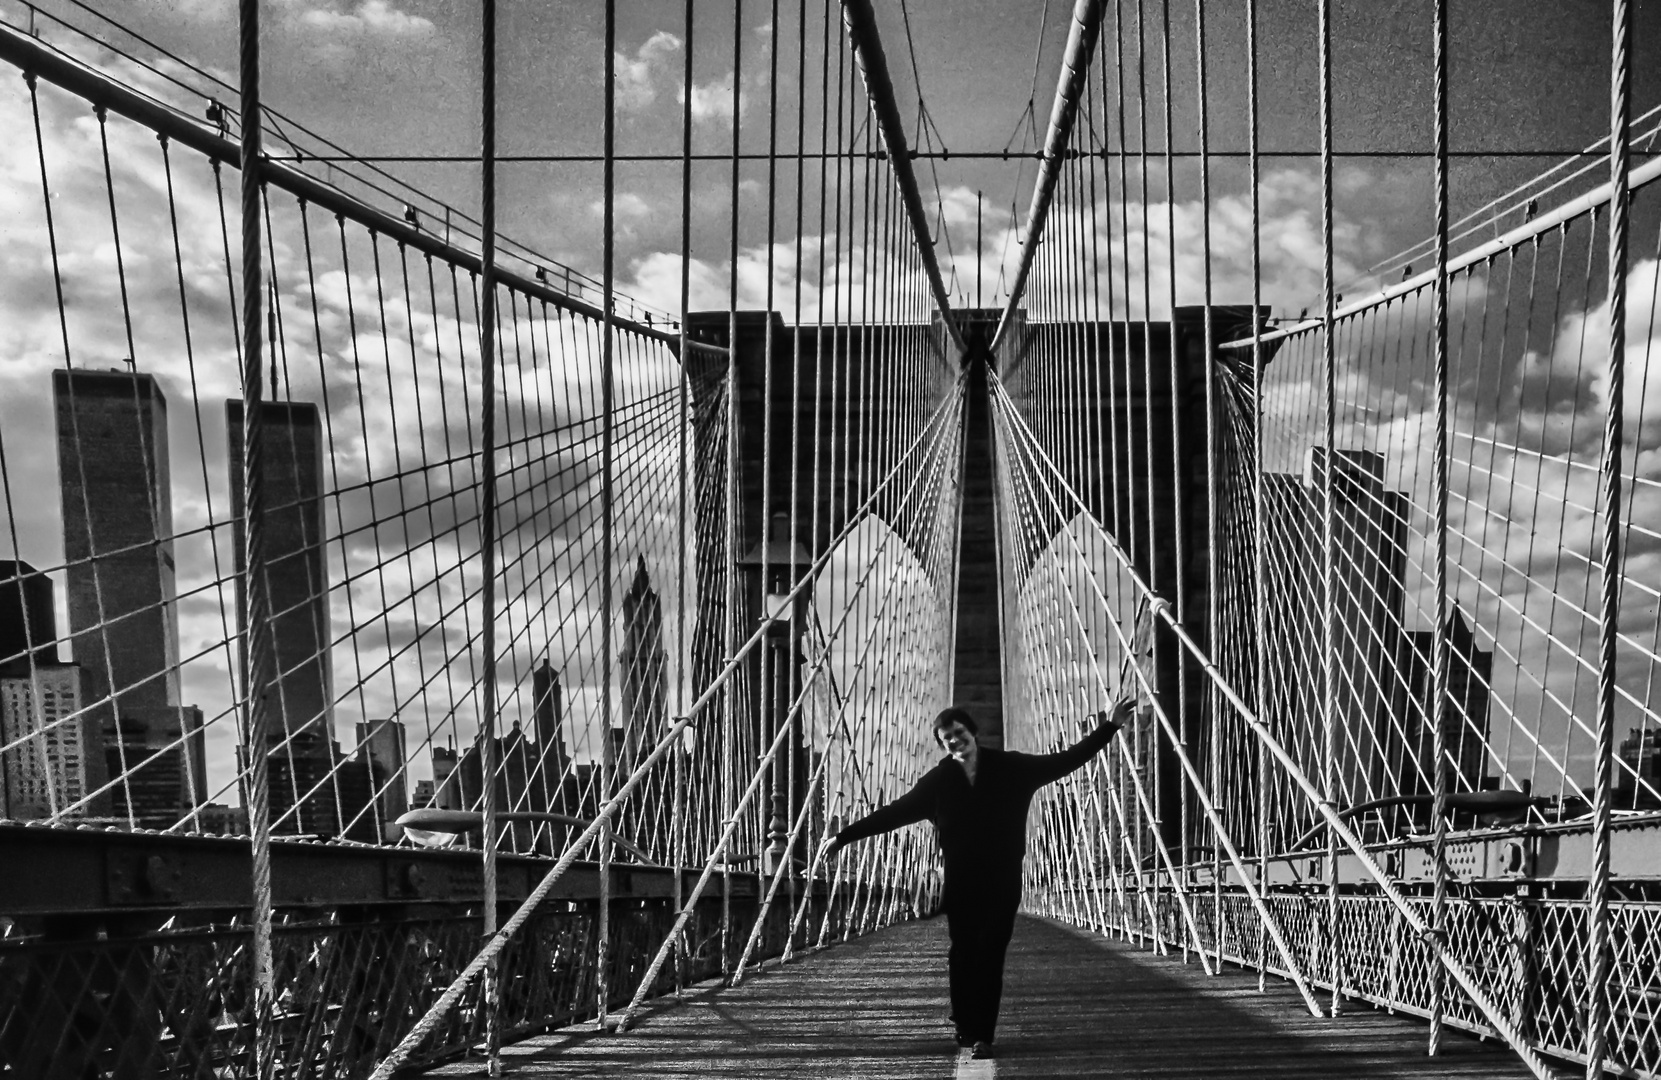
982, 826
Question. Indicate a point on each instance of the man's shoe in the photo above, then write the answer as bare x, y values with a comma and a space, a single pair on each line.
982, 1050
963, 1039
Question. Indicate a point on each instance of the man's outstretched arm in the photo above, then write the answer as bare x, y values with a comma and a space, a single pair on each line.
1041, 769
908, 809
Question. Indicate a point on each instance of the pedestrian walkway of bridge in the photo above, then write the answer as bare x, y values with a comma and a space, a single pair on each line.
1075, 1005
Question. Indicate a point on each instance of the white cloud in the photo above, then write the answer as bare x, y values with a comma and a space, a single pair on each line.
643, 78
340, 36
370, 16
1581, 347
712, 101
837, 294
637, 76
625, 206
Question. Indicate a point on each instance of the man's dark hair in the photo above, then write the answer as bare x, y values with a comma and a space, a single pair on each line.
955, 715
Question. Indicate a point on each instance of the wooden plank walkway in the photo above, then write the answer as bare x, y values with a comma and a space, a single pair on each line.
1074, 1005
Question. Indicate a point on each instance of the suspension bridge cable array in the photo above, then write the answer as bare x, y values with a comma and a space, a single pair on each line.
481, 553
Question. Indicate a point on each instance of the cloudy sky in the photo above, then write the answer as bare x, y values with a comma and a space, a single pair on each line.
401, 80
401, 77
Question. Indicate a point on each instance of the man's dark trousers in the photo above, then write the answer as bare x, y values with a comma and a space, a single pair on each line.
980, 926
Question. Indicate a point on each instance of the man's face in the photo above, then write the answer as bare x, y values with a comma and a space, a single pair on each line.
958, 740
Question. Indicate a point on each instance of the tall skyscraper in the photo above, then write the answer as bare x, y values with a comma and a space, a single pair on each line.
28, 622
115, 485
1641, 750
356, 784
552, 788
516, 761
1370, 565
382, 741
447, 780
297, 581
157, 754
302, 792
1369, 558
58, 763
1464, 713
643, 667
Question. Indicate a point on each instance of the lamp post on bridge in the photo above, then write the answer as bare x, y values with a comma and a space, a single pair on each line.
433, 827
770, 569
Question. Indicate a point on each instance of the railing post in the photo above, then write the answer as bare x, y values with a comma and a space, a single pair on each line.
1523, 941
1393, 962
677, 833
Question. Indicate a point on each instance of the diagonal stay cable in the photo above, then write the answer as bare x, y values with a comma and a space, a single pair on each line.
1444, 954
719, 851
1207, 804
671, 736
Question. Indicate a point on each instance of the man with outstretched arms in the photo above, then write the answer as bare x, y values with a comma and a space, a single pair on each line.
977, 798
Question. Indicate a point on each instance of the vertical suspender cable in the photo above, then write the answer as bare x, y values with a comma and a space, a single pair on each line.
1329, 364
772, 815
1129, 817
681, 648
260, 662
819, 366
797, 630
1212, 487
602, 952
979, 206
1153, 826
1175, 382
1598, 958
487, 513
734, 597
1259, 532
1439, 507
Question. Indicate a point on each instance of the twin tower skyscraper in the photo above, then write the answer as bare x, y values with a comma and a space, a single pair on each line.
121, 572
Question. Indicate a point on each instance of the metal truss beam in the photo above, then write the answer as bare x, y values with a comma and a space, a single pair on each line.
90, 872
